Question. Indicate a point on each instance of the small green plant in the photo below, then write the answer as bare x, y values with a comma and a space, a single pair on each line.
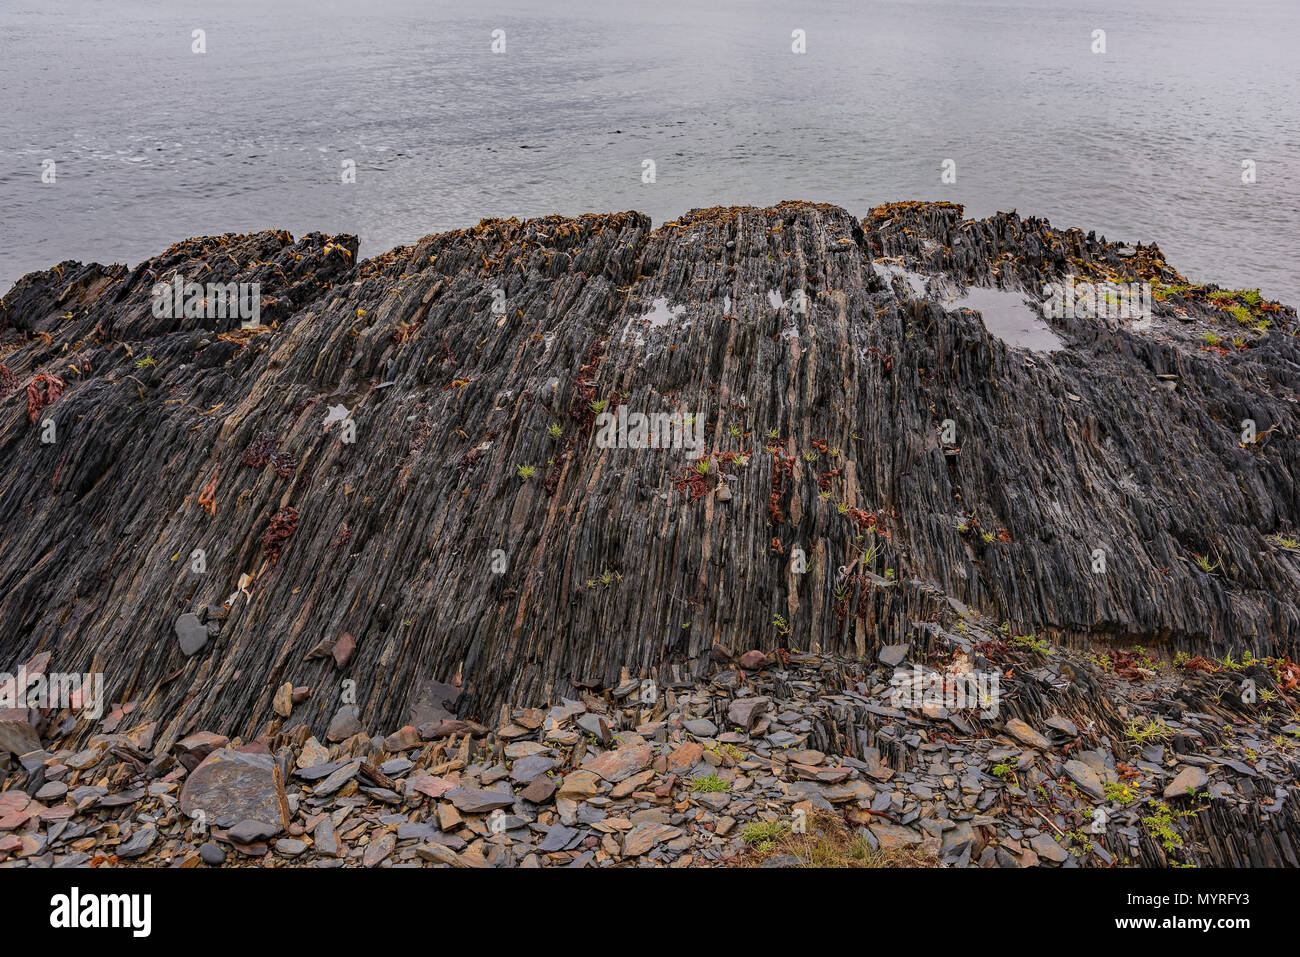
729, 751
1163, 292
527, 471
734, 430
988, 537
146, 361
772, 433
1284, 541
780, 624
702, 466
1032, 642
1082, 844
1204, 564
1003, 770
709, 784
1210, 339
554, 430
1247, 660
1122, 793
1145, 730
763, 835
598, 406
1160, 825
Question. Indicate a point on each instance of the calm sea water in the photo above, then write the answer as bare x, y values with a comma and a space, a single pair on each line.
154, 143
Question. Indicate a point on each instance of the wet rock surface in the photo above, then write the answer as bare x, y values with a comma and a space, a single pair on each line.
393, 482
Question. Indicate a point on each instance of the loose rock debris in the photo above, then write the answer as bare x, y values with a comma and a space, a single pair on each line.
766, 762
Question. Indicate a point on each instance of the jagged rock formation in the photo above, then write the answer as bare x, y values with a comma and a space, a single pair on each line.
445, 561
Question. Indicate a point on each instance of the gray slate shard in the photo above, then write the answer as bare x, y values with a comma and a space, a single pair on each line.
192, 633
560, 838
478, 801
249, 831
891, 656
318, 771
138, 843
338, 778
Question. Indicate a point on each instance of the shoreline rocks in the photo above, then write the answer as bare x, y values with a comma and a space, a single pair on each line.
846, 397
1063, 775
385, 510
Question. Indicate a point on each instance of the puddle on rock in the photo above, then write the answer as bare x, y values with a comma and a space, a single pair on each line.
659, 315
1008, 316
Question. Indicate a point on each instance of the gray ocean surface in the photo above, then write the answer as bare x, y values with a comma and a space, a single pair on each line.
154, 143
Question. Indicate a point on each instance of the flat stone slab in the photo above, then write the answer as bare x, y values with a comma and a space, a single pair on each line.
643, 837
1188, 780
893, 836
743, 712
1027, 735
230, 786
1086, 778
891, 656
478, 801
1045, 846
526, 770
622, 763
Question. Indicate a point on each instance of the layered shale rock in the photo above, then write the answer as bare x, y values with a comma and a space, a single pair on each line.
385, 504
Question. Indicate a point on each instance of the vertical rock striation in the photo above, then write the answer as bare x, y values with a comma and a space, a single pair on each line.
457, 521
